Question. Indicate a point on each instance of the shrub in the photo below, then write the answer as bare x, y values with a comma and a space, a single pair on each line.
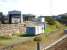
5, 37
50, 20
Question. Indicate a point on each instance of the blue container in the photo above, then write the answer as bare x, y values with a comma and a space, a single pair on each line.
30, 30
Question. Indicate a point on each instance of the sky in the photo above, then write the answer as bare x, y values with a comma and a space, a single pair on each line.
37, 7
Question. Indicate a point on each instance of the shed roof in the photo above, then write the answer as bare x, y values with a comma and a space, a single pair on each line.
14, 12
28, 15
33, 24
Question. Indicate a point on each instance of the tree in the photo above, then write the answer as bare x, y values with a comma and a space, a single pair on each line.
50, 20
63, 19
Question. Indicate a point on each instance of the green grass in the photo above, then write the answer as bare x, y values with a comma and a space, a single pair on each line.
48, 30
51, 28
13, 40
31, 45
65, 27
7, 41
16, 39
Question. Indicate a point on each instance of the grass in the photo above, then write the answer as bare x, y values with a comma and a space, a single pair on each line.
48, 30
30, 45
65, 27
7, 41
13, 40
51, 28
4, 38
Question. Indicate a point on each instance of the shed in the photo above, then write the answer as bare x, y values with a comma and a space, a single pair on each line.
35, 28
41, 18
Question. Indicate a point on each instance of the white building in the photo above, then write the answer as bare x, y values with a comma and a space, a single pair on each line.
40, 20
14, 16
35, 28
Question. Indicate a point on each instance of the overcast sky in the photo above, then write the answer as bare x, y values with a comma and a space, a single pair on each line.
37, 7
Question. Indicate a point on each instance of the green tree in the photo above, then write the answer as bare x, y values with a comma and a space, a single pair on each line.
63, 19
50, 20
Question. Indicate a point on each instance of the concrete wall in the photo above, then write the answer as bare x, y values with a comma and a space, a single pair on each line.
9, 29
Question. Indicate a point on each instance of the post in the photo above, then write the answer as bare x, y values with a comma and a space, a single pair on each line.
38, 46
38, 40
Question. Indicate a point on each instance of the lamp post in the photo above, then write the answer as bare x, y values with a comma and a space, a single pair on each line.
38, 39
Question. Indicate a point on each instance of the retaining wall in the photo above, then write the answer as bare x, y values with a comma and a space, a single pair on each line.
9, 29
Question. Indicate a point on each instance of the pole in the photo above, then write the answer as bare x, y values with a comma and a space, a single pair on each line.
38, 46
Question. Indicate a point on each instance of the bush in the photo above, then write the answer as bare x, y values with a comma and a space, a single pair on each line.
50, 20
5, 37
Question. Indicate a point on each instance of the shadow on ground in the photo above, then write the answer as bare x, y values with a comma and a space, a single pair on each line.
26, 35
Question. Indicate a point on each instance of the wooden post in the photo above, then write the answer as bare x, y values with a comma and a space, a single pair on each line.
38, 46
38, 39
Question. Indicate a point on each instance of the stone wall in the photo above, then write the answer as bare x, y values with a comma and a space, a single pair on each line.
9, 29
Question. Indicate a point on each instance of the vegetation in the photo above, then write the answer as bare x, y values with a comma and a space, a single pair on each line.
31, 45
4, 37
37, 39
50, 20
13, 40
53, 27
65, 27
52, 24
63, 19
